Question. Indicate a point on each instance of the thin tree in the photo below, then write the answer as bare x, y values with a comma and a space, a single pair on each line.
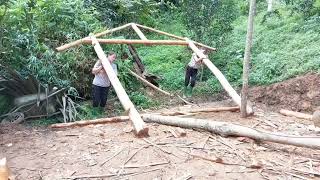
246, 61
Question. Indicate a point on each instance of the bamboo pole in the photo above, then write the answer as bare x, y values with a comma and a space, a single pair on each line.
138, 31
139, 125
224, 82
229, 129
148, 83
174, 36
80, 41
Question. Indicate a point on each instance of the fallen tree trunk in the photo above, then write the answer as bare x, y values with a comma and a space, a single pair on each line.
221, 128
139, 125
90, 122
148, 83
295, 114
229, 129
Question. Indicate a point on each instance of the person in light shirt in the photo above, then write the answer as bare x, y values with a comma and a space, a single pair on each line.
101, 83
191, 73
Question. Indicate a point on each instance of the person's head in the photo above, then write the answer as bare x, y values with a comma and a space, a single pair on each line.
112, 56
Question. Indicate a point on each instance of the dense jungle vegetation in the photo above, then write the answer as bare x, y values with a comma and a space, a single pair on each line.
286, 43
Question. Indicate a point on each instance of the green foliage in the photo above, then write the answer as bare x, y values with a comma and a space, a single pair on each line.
118, 12
209, 21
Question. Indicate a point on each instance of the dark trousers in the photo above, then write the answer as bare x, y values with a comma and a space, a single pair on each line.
99, 96
191, 75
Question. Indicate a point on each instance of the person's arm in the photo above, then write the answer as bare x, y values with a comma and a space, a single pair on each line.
97, 68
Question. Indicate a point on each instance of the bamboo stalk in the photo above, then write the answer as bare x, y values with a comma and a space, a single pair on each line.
138, 31
224, 82
174, 36
148, 83
139, 125
80, 41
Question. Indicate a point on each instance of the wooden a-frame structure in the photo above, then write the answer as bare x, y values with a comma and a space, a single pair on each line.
140, 128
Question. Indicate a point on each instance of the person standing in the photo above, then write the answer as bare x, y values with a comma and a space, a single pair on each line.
191, 73
101, 83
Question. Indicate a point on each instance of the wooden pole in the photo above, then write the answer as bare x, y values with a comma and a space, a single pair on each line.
295, 114
148, 83
136, 41
138, 31
217, 109
80, 41
90, 122
246, 61
224, 82
174, 36
229, 129
136, 57
139, 125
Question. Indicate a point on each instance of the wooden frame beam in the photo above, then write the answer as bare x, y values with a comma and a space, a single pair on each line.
80, 41
223, 81
139, 125
174, 36
138, 31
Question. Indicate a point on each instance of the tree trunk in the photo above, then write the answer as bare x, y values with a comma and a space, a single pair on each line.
229, 129
224, 82
128, 106
246, 62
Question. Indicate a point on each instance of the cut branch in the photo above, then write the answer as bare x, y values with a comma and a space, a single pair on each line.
139, 125
217, 109
224, 82
295, 114
90, 122
148, 83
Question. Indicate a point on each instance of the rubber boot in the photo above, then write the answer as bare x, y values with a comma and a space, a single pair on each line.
185, 92
190, 92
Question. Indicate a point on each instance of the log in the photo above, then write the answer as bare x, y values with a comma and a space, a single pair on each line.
148, 83
136, 57
217, 109
229, 129
138, 31
224, 82
219, 127
295, 114
137, 41
174, 36
90, 122
139, 125
80, 41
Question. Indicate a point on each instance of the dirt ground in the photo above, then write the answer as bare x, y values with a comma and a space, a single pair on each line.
112, 151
